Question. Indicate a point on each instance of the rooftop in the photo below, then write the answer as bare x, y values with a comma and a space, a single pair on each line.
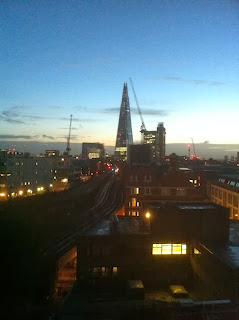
118, 225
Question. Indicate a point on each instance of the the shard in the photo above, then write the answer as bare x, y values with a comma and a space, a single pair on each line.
124, 134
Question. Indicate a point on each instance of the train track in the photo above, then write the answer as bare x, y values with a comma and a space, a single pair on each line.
108, 200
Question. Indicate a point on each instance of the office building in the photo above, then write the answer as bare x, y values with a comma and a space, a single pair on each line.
157, 141
225, 191
124, 133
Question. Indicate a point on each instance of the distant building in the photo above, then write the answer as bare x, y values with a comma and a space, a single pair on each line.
26, 175
124, 133
157, 141
225, 191
140, 154
23, 174
52, 153
151, 184
93, 150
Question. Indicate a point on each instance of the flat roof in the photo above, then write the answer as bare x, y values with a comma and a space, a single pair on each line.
228, 255
123, 225
197, 206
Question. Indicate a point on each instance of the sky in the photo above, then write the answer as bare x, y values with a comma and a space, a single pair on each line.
72, 57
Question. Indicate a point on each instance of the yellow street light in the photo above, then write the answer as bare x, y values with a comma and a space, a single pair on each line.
147, 215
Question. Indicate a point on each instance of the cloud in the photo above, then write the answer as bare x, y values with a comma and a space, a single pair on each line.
12, 120
15, 115
73, 137
12, 136
194, 81
48, 137
150, 111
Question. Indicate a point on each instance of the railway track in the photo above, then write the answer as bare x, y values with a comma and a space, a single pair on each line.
108, 200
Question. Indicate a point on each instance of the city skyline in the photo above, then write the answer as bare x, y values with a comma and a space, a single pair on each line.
73, 57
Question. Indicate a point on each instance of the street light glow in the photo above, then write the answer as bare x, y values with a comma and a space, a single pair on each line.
147, 215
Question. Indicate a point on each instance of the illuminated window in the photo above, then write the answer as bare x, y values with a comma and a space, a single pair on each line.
196, 251
114, 271
167, 248
157, 248
184, 249
133, 202
177, 248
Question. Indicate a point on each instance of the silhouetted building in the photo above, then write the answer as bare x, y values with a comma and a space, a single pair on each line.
157, 140
52, 153
140, 154
93, 150
124, 134
177, 244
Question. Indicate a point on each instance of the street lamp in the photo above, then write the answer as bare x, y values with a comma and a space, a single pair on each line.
147, 215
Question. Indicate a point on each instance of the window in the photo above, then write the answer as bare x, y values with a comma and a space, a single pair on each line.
167, 248
134, 190
235, 201
133, 202
147, 177
147, 190
229, 198
165, 191
176, 249
157, 248
196, 251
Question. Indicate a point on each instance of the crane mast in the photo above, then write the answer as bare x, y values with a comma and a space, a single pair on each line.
68, 149
143, 128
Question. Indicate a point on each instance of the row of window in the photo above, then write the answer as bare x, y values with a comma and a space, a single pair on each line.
164, 191
103, 272
166, 248
157, 249
137, 190
147, 178
134, 203
134, 213
218, 193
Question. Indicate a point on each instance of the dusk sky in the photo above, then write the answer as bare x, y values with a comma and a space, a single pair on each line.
72, 57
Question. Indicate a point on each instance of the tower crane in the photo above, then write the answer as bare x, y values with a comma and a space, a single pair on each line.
68, 149
142, 128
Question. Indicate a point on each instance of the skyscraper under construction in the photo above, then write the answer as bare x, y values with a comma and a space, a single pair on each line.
157, 141
124, 134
